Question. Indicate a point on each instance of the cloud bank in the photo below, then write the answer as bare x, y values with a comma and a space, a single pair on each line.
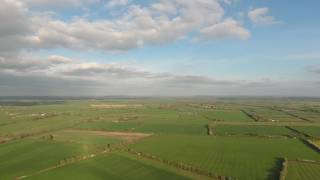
160, 22
58, 75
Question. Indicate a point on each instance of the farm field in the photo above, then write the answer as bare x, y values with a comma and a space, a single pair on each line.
262, 130
303, 170
313, 131
267, 114
111, 166
26, 156
158, 138
230, 156
224, 115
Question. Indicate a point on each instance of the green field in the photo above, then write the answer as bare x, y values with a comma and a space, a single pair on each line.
112, 166
230, 156
157, 139
268, 114
309, 130
22, 157
262, 130
220, 115
303, 170
86, 139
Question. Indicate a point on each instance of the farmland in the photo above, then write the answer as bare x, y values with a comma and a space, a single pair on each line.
159, 138
303, 170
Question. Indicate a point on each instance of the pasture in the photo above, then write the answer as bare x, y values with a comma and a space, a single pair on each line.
229, 156
303, 170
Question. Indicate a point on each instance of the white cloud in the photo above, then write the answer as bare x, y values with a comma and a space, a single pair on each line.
260, 16
56, 59
161, 22
226, 29
60, 3
137, 27
116, 3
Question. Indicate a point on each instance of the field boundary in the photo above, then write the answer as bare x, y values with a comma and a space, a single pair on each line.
298, 132
310, 144
305, 161
293, 115
179, 165
284, 169
253, 117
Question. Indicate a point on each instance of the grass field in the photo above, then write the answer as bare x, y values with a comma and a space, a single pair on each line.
112, 166
86, 139
268, 114
311, 131
223, 115
157, 139
262, 130
22, 157
303, 170
230, 156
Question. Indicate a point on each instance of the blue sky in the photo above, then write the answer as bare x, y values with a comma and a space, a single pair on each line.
210, 47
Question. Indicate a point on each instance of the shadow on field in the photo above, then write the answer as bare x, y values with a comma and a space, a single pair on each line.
274, 172
310, 145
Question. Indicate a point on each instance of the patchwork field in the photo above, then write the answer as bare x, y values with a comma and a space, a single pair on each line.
159, 139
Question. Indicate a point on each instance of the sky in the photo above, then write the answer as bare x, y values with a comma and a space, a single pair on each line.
159, 47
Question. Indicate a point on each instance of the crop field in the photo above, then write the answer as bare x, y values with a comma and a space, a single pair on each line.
313, 131
159, 138
25, 156
230, 156
267, 114
261, 130
308, 115
219, 115
86, 138
112, 166
303, 170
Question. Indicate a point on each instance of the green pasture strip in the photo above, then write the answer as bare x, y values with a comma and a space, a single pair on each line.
262, 130
226, 115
